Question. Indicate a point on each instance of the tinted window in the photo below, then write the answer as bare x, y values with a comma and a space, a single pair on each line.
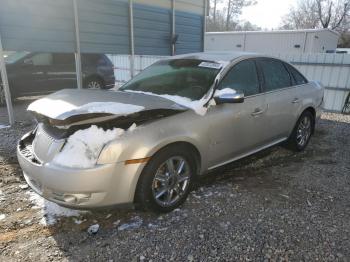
276, 75
43, 59
63, 59
243, 77
298, 78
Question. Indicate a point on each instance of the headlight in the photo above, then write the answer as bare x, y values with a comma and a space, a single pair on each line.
110, 154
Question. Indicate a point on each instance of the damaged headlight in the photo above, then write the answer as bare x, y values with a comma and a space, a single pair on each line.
110, 154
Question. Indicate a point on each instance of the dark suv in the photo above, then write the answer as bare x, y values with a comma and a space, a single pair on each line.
41, 73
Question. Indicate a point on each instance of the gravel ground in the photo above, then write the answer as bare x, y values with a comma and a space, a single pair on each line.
276, 205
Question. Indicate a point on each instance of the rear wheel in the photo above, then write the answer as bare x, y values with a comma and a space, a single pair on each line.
302, 132
94, 83
166, 180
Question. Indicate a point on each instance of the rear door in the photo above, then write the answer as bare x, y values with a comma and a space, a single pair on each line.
280, 94
235, 129
62, 73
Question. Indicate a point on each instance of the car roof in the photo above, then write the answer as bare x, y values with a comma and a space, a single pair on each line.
217, 56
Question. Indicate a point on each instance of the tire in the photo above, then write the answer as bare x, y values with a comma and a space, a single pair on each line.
94, 83
156, 180
302, 132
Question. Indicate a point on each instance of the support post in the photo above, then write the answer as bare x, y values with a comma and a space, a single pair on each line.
77, 51
132, 40
205, 21
173, 26
5, 85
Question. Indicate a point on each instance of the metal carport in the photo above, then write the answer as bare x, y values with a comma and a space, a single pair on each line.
105, 26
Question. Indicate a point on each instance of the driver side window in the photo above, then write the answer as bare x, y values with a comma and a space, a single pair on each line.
242, 77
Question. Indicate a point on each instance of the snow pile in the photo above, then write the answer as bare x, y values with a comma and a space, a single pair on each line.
58, 108
84, 146
197, 105
51, 211
93, 229
2, 216
136, 222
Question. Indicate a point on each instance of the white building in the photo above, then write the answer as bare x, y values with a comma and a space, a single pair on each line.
283, 41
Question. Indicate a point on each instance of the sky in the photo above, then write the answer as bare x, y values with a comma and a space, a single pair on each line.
267, 13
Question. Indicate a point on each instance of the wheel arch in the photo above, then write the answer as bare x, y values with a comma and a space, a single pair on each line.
313, 112
187, 145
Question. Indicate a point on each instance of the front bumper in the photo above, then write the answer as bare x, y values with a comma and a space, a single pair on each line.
101, 186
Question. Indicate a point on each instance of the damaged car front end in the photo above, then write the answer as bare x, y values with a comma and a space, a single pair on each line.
85, 155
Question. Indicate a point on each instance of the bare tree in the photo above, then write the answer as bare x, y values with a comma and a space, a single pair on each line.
332, 14
226, 18
234, 9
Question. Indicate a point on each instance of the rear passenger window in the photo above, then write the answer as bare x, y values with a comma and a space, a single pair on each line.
276, 75
243, 77
64, 59
298, 78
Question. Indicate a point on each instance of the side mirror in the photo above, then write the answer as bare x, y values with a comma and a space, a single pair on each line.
229, 98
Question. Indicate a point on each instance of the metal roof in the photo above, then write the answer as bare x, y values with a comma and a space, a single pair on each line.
275, 32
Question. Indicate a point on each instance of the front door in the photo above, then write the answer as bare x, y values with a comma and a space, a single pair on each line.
235, 129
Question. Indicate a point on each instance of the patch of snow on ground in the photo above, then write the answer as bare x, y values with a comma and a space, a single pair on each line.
84, 146
136, 222
60, 107
50, 211
2, 216
4, 126
197, 105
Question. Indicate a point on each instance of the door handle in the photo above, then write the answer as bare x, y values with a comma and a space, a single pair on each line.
295, 101
257, 111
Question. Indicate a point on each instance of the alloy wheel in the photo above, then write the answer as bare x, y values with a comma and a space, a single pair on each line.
304, 131
171, 181
94, 85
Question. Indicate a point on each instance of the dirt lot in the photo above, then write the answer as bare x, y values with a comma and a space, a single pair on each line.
276, 205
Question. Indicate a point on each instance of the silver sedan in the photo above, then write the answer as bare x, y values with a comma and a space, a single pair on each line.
146, 143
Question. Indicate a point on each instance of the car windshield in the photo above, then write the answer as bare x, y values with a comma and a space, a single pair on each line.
14, 57
189, 78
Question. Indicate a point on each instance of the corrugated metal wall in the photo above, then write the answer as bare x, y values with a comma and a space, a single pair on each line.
152, 30
48, 26
37, 25
332, 70
104, 26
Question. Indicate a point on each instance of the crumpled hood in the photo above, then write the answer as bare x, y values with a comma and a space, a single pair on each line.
69, 103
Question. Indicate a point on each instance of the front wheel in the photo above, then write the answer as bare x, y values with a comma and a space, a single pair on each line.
302, 132
165, 181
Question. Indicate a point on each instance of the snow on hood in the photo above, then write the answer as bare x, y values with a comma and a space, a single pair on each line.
68, 103
84, 147
62, 107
